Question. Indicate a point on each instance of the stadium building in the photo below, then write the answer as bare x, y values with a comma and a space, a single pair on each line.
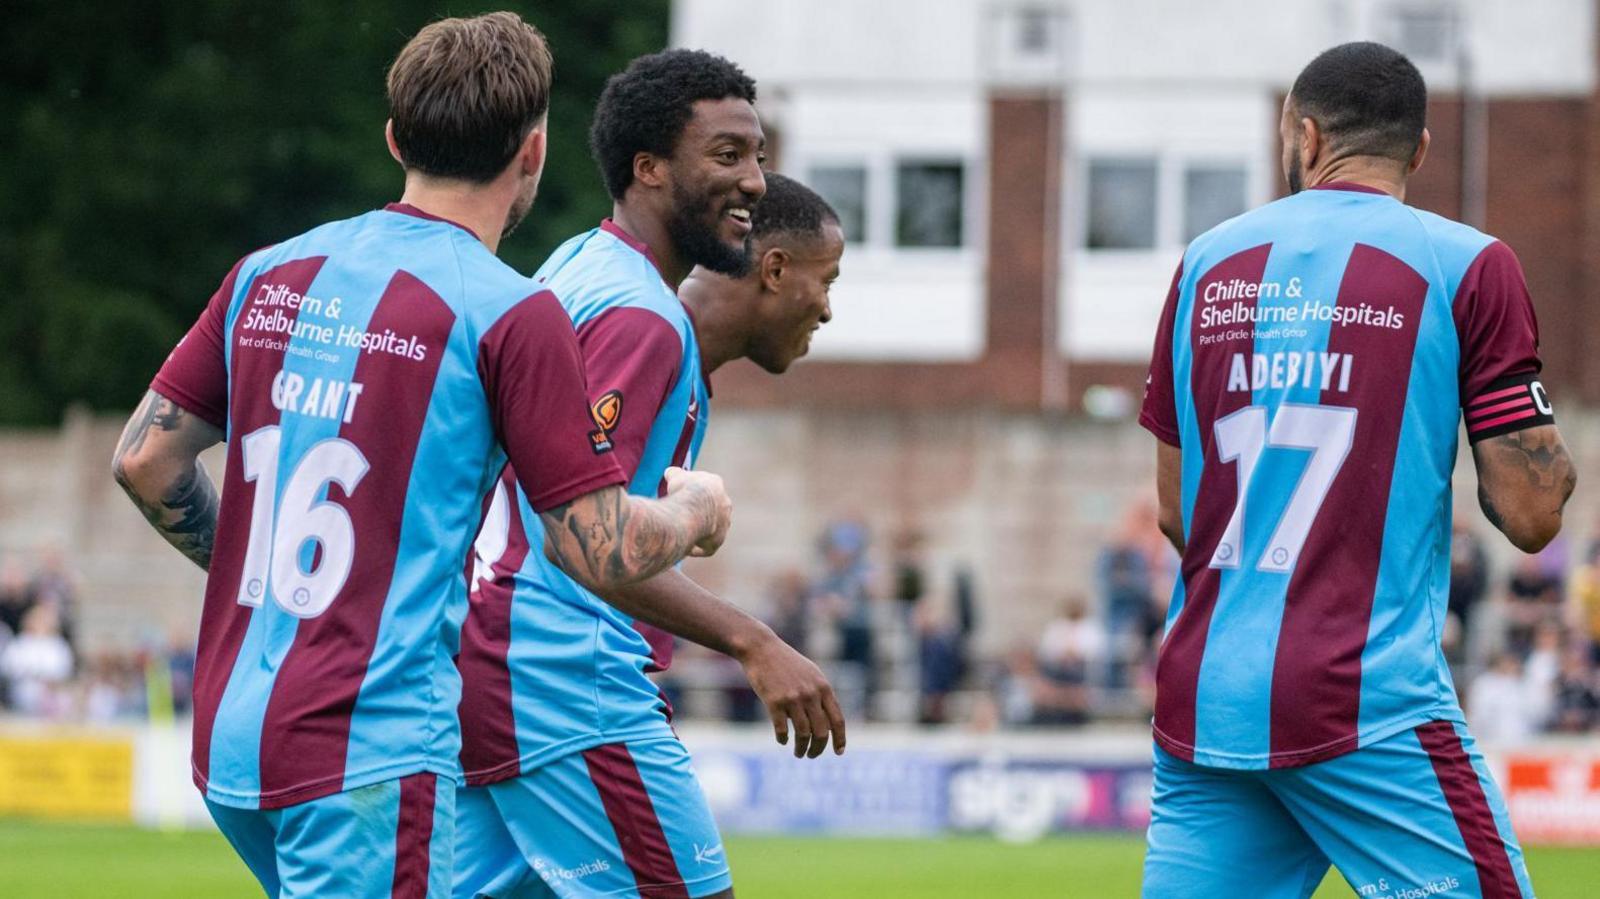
1018, 179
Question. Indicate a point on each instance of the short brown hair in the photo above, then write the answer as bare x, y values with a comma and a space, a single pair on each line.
464, 93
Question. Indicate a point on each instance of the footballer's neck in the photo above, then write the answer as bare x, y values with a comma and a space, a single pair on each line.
1374, 172
480, 208
719, 306
648, 225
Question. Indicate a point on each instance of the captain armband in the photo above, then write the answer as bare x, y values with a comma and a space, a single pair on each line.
1512, 403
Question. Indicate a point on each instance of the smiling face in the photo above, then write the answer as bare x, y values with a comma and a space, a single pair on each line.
797, 274
716, 179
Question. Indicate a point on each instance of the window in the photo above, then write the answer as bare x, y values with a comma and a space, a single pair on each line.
1122, 204
928, 206
845, 189
1212, 194
1037, 30
1426, 32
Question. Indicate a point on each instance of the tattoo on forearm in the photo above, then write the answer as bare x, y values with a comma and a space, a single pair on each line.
186, 514
1525, 469
604, 538
183, 511
1540, 456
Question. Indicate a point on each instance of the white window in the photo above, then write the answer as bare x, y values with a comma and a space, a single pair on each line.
844, 186
929, 203
1212, 194
1156, 203
1122, 203
1427, 33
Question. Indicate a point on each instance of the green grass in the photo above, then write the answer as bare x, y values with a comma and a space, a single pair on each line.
73, 860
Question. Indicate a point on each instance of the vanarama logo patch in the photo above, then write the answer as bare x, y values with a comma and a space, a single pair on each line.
607, 412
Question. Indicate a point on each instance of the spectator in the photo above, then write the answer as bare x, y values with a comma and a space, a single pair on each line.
1072, 644
843, 595
1586, 597
910, 569
1124, 572
1027, 696
788, 611
37, 664
1533, 596
1576, 705
1469, 580
54, 582
114, 689
15, 597
1542, 669
180, 663
941, 661
1498, 703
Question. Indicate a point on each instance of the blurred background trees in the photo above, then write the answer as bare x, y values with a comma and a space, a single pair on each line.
175, 136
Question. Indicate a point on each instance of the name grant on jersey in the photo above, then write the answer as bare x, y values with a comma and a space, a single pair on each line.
321, 398
1249, 372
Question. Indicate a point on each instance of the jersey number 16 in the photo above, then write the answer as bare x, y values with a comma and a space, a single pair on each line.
281, 532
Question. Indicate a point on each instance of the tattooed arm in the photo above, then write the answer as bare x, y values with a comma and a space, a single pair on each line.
1524, 479
157, 463
608, 539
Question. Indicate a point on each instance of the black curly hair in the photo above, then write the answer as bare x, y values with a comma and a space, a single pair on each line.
1367, 98
790, 207
645, 107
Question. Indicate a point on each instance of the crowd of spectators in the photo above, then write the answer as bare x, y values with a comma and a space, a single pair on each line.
894, 627
1523, 644
45, 674
1527, 655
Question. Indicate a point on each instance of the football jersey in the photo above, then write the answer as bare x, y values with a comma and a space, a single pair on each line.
549, 668
1312, 363
371, 376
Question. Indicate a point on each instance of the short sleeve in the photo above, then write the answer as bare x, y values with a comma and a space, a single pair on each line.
533, 375
195, 375
1499, 336
633, 357
1159, 411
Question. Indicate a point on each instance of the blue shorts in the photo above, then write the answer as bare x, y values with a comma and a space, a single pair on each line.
390, 840
623, 819
1414, 816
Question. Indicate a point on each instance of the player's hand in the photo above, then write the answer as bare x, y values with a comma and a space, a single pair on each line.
795, 690
708, 496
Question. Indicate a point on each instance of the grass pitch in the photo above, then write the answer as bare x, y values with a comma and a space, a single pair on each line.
73, 860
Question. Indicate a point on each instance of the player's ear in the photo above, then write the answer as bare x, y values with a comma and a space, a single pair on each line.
649, 169
1422, 152
533, 152
1310, 143
388, 138
774, 265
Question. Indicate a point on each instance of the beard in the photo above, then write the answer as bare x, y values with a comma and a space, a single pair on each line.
519, 211
698, 243
1297, 177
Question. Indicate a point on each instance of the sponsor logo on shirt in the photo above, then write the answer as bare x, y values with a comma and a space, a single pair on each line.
1274, 309
315, 330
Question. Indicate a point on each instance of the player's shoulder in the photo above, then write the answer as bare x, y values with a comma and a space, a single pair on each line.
596, 273
1456, 244
1246, 231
